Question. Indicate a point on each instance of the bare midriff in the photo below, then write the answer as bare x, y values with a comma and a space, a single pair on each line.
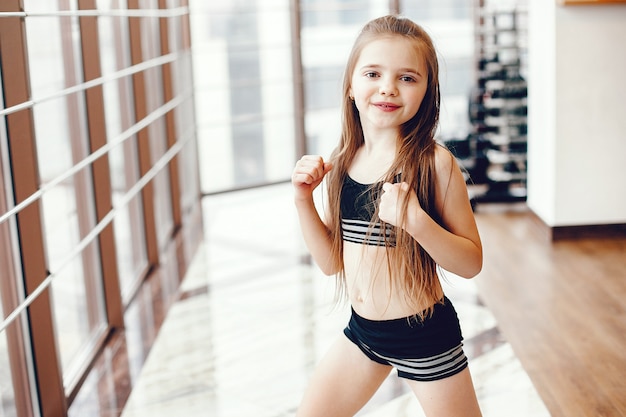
369, 286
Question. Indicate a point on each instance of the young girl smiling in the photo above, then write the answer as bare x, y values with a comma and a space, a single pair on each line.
397, 209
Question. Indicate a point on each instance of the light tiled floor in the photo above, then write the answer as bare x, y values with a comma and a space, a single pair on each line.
254, 317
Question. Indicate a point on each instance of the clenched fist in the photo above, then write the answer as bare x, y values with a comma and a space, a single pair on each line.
308, 174
392, 201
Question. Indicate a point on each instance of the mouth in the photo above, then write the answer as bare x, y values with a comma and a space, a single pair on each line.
384, 106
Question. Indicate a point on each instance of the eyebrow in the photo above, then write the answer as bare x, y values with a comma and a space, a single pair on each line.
376, 66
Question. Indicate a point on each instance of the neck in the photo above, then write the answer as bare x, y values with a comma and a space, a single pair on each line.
373, 159
380, 142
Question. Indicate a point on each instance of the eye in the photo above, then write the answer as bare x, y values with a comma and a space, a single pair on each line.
407, 78
370, 74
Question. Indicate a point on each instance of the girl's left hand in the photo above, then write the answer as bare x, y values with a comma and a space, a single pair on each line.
392, 200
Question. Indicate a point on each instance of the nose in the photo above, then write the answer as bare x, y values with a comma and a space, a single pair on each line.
387, 87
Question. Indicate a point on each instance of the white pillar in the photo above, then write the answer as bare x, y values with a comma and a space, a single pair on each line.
577, 113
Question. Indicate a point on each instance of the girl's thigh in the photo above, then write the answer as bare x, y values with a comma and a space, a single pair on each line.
449, 397
343, 381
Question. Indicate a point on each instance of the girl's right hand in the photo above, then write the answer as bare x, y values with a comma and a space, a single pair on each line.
308, 174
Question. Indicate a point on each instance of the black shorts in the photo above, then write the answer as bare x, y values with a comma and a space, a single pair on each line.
420, 350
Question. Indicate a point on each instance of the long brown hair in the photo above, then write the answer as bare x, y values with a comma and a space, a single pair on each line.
409, 265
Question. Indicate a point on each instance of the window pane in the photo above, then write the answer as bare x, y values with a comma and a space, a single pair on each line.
186, 130
150, 36
429, 10
244, 92
320, 13
76, 287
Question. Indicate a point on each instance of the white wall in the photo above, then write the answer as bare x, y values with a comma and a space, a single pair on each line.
577, 113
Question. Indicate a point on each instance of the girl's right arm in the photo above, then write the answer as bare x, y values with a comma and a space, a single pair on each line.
307, 175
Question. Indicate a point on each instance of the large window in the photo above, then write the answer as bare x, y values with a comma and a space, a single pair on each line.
98, 178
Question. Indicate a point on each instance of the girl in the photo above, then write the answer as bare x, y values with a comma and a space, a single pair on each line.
397, 208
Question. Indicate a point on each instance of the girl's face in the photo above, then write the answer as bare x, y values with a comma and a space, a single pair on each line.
388, 83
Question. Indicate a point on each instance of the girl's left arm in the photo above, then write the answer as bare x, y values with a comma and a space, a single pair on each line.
456, 247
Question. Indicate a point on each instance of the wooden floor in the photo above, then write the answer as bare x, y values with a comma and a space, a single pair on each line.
562, 306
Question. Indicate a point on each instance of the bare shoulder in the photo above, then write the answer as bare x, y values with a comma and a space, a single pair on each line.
451, 188
445, 164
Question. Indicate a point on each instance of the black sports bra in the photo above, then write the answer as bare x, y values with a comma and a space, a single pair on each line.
358, 205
